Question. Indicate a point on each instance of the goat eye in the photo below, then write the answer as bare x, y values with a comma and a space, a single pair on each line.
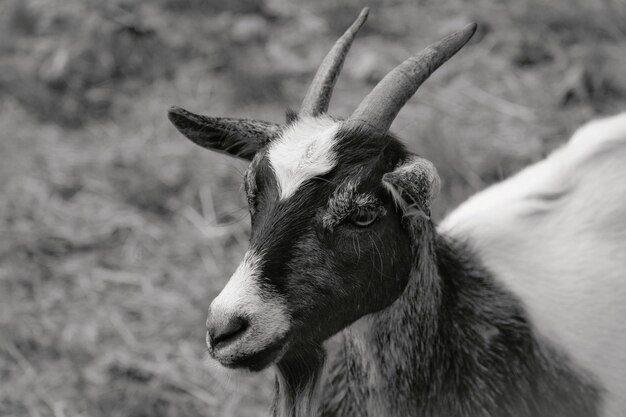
363, 218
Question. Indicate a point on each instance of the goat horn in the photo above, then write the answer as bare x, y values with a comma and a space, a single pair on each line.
318, 96
381, 106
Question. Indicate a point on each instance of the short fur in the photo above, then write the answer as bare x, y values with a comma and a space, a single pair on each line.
303, 151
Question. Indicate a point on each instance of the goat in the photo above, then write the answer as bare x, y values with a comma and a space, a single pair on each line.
514, 306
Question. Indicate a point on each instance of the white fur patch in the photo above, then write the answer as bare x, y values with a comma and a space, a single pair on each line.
303, 151
269, 319
555, 235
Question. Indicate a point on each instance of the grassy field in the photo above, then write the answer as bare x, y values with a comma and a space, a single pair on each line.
116, 232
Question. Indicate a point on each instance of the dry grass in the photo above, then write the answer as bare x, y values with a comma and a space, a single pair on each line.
115, 233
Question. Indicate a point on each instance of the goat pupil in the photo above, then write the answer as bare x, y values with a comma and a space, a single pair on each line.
363, 217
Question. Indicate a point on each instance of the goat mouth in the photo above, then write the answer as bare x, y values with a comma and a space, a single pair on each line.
254, 361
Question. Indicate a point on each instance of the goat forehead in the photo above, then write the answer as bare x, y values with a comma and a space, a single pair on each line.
303, 151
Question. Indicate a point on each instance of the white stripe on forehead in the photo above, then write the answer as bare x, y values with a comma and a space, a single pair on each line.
303, 151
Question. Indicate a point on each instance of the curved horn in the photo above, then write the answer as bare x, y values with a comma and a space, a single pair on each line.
318, 96
382, 104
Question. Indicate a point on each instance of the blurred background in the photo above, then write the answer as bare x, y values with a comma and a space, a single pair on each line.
116, 232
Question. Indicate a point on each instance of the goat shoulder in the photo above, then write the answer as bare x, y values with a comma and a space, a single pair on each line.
554, 235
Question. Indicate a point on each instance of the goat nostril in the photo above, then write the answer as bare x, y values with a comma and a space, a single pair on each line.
227, 330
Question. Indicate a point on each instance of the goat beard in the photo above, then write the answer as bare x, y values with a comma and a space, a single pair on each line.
297, 381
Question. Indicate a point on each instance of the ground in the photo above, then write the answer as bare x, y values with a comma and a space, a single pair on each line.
116, 232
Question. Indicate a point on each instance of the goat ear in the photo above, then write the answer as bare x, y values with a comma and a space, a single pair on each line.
414, 184
237, 137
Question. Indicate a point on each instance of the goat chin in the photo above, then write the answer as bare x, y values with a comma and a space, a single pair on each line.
232, 379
